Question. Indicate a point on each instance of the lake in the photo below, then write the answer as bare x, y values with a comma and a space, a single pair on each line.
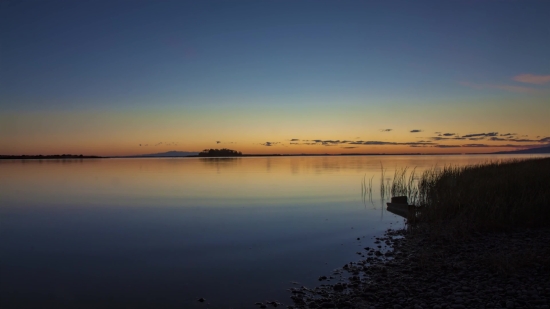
163, 232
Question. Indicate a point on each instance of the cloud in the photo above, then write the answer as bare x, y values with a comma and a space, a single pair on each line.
476, 145
360, 142
439, 138
430, 141
532, 79
269, 144
385, 130
522, 140
518, 140
324, 142
519, 89
481, 134
415, 131
447, 146
487, 145
158, 144
510, 88
377, 143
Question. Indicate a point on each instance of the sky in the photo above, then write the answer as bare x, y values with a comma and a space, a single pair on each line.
138, 77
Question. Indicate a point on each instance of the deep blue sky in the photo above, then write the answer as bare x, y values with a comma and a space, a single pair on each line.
101, 56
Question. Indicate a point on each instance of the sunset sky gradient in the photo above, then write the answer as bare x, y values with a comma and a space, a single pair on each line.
137, 77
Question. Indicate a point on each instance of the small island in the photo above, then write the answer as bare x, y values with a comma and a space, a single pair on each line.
220, 153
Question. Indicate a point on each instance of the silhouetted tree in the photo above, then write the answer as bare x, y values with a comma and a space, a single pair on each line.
220, 153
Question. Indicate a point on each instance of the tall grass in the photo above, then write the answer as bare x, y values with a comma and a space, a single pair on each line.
405, 185
494, 196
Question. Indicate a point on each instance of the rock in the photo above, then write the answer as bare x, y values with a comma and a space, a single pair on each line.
338, 287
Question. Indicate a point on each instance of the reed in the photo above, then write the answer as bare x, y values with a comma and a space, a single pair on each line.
494, 196
403, 184
366, 189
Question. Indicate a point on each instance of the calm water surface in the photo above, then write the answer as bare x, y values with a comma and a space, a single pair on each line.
164, 232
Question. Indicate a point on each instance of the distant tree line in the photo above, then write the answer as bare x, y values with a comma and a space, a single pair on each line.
62, 156
220, 153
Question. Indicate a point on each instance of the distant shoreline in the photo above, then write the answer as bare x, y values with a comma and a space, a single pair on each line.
48, 157
61, 157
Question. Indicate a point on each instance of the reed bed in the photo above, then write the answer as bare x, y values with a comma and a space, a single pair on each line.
494, 196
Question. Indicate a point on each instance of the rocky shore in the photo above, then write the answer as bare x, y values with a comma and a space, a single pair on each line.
413, 270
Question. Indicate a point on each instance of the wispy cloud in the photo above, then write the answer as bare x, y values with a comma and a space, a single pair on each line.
511, 88
415, 131
269, 144
447, 146
441, 138
374, 143
385, 130
518, 89
481, 134
532, 79
512, 140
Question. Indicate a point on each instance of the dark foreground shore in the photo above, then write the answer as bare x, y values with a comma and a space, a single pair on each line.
409, 270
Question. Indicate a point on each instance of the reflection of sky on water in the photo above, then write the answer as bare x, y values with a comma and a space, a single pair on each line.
168, 231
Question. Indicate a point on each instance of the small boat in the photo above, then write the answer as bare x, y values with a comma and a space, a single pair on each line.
400, 206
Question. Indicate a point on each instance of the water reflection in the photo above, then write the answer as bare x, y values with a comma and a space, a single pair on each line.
172, 230
402, 211
218, 161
